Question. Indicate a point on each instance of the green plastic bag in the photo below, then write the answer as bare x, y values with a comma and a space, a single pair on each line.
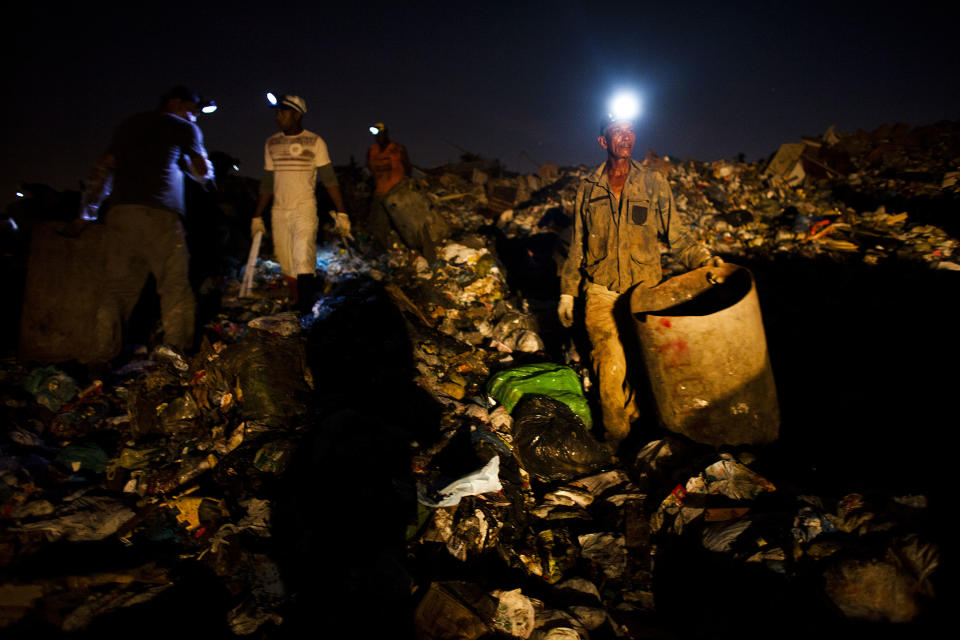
546, 378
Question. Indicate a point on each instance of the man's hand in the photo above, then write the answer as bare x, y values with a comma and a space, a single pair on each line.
341, 224
200, 168
712, 261
257, 226
565, 310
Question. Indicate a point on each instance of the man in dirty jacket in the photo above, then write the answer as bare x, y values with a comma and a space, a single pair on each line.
622, 212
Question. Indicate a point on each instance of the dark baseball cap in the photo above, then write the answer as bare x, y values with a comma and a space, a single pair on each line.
180, 92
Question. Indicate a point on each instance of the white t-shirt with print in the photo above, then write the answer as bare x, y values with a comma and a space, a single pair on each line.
294, 161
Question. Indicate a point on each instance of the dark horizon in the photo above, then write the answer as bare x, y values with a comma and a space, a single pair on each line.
521, 84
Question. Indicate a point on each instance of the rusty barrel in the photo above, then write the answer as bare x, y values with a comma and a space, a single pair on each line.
705, 353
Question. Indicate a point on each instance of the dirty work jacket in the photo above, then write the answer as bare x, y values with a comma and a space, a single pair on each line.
618, 247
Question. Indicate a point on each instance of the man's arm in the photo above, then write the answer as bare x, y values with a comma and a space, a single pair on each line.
262, 201
196, 164
328, 177
199, 167
337, 198
570, 271
266, 194
687, 251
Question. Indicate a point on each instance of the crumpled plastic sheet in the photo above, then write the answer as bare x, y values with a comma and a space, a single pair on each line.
606, 549
726, 477
484, 480
85, 519
515, 615
719, 537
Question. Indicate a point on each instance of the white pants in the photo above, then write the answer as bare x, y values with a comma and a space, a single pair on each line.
295, 239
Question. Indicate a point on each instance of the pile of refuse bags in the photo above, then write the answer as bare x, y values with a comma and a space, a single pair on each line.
518, 520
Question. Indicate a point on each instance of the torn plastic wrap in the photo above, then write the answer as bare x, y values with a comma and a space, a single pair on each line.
484, 480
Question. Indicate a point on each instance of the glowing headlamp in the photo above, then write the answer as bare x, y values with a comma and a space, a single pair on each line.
624, 105
208, 107
374, 130
272, 98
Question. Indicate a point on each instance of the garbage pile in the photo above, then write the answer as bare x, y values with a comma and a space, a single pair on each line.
167, 456
864, 196
829, 196
519, 522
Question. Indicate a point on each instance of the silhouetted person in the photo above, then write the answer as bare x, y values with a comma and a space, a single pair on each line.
143, 170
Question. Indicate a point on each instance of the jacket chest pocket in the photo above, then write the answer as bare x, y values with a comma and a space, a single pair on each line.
638, 211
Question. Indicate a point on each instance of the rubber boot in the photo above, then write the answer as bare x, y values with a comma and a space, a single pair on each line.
307, 288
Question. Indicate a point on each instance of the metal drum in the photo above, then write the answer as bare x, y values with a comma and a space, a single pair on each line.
705, 353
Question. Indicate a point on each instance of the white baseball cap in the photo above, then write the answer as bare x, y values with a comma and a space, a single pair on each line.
292, 102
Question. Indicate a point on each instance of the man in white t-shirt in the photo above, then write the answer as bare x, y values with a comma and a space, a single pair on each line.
293, 161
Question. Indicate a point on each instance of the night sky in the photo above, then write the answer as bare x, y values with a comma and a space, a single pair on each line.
524, 83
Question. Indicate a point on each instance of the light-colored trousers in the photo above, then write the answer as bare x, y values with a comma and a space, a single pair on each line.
295, 239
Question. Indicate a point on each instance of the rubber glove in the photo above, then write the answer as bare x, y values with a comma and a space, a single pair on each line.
257, 226
565, 310
712, 261
341, 224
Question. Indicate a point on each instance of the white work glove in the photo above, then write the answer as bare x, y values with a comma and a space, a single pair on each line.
341, 224
565, 310
712, 261
257, 226
89, 212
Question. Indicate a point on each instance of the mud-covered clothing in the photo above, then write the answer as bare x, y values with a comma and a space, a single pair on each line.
609, 327
617, 244
151, 151
388, 166
295, 162
141, 241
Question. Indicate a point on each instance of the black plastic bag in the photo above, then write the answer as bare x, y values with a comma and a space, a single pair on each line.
552, 443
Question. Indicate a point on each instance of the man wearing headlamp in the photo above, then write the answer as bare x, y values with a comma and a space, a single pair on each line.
621, 213
397, 203
143, 172
294, 159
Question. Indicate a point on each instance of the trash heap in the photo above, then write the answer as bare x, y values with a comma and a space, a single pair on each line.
167, 456
866, 196
553, 537
519, 522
